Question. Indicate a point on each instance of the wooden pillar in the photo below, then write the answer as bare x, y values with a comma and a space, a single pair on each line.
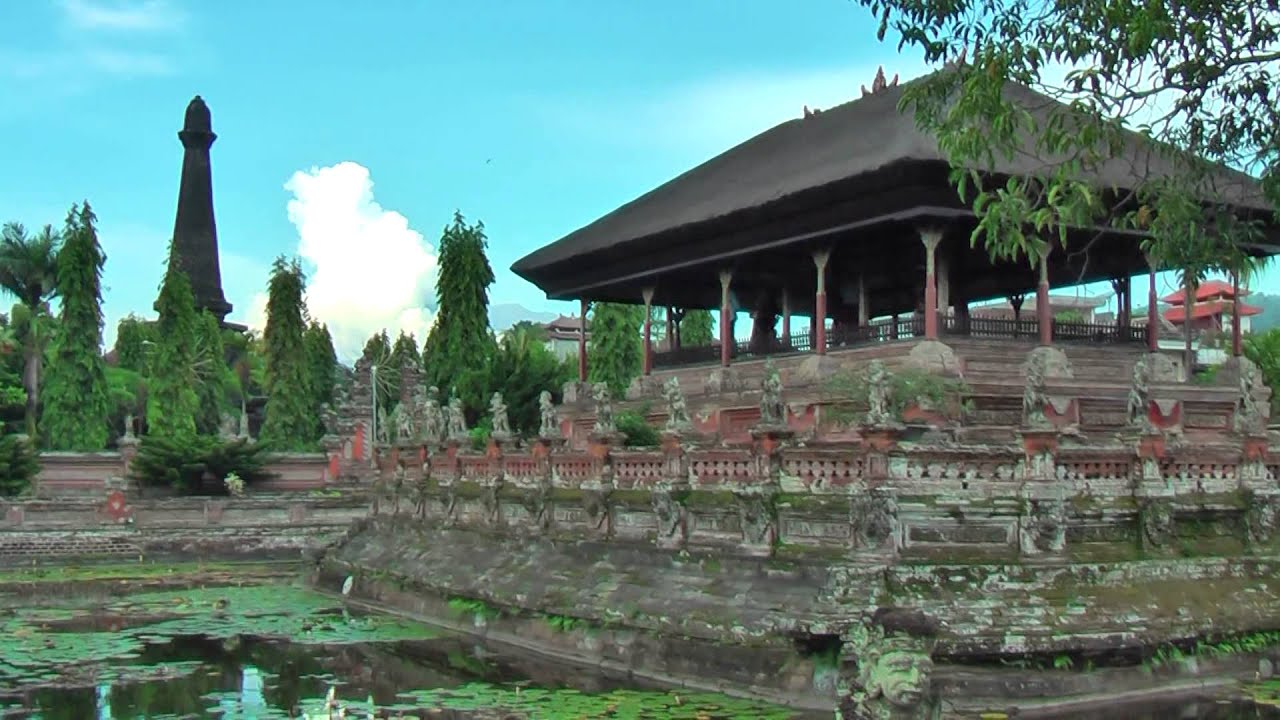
930, 238
1044, 312
864, 307
647, 293
582, 341
893, 326
786, 319
726, 319
1127, 308
1153, 316
1237, 341
820, 259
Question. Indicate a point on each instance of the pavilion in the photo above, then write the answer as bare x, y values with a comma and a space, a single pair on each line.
848, 215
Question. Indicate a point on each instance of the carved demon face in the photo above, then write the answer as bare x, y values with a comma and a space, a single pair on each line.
900, 677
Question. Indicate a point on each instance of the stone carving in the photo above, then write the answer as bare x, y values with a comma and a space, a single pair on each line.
402, 417
228, 424
604, 410
329, 418
599, 515
758, 517
491, 502
874, 517
1261, 517
541, 507
1035, 399
449, 505
1156, 520
457, 421
383, 433
433, 420
677, 411
1139, 408
879, 395
129, 422
879, 83
670, 514
773, 412
1252, 410
893, 676
243, 434
1043, 527
501, 425
397, 487
548, 420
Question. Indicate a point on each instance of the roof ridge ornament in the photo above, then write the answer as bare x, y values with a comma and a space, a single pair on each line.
879, 83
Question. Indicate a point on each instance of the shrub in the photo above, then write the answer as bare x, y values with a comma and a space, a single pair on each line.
637, 431
848, 392
18, 465
187, 462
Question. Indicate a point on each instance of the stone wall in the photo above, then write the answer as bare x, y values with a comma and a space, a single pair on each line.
265, 526
64, 474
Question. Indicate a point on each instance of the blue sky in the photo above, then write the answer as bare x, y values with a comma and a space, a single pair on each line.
349, 136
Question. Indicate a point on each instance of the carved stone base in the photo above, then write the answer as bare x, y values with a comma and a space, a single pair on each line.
881, 438
725, 380
816, 370
935, 357
684, 438
575, 392
645, 386
1055, 362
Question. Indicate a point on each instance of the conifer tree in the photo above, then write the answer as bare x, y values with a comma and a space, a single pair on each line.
211, 374
322, 365
132, 337
456, 353
290, 423
616, 349
378, 347
696, 329
77, 403
172, 401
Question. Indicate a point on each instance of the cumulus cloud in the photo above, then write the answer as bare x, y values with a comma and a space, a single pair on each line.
367, 268
122, 15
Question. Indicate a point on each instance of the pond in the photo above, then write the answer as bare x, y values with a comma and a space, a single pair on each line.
281, 651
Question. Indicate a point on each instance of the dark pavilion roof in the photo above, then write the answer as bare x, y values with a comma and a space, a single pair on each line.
818, 154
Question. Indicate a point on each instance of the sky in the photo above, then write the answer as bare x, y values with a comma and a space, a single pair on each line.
348, 137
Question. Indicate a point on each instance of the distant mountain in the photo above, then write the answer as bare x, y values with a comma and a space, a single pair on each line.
1269, 317
504, 315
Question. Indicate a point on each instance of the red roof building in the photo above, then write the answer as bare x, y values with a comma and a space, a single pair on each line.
1211, 309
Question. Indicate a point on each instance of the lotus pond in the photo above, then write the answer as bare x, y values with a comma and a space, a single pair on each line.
282, 651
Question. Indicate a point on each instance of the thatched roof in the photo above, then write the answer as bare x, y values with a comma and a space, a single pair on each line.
857, 139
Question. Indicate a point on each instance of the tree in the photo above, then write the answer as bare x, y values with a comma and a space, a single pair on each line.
1167, 71
211, 374
616, 350
322, 365
172, 401
457, 351
78, 406
404, 353
290, 422
133, 338
696, 329
29, 271
522, 368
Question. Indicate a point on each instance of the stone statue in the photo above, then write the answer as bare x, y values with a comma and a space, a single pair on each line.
433, 420
243, 433
1156, 519
404, 423
1043, 528
758, 519
329, 417
879, 395
1252, 410
383, 433
874, 517
1035, 397
773, 412
227, 426
1139, 407
129, 422
670, 515
1261, 518
548, 421
604, 410
498, 410
893, 679
457, 421
677, 411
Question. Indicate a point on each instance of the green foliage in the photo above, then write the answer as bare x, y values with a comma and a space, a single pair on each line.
848, 391
615, 352
133, 335
474, 608
456, 353
18, 464
196, 463
564, 624
322, 365
127, 395
290, 423
1264, 350
28, 271
636, 430
172, 400
522, 368
404, 353
77, 405
1210, 57
1069, 316
211, 374
696, 329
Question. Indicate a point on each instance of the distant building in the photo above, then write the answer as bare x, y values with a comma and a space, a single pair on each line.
1085, 307
1211, 309
563, 334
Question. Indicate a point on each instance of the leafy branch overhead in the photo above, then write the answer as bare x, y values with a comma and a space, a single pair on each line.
1133, 112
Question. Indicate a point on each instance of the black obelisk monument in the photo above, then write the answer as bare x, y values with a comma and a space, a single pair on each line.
195, 236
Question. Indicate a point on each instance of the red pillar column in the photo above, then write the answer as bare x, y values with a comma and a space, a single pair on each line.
582, 342
1153, 316
648, 331
726, 320
786, 319
820, 259
930, 238
1044, 313
1237, 342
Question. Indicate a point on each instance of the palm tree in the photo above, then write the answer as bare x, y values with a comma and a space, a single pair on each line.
29, 271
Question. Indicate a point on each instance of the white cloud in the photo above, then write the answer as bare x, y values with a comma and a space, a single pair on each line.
122, 15
129, 63
369, 269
